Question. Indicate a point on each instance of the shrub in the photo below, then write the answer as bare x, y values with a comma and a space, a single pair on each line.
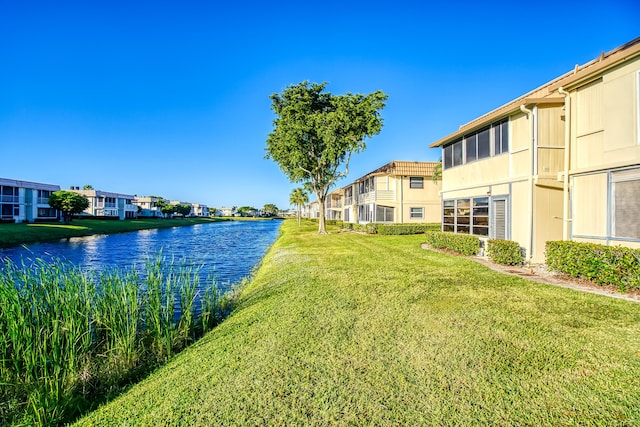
463, 244
403, 229
505, 252
390, 229
604, 265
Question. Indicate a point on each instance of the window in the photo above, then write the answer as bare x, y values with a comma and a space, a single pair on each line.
9, 198
490, 141
46, 213
463, 216
416, 182
449, 216
447, 156
470, 143
480, 215
457, 153
500, 137
416, 213
468, 216
384, 214
625, 188
364, 213
484, 144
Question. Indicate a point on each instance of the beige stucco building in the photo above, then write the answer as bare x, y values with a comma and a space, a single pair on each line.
561, 162
398, 192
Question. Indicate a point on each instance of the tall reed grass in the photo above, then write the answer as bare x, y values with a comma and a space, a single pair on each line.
69, 338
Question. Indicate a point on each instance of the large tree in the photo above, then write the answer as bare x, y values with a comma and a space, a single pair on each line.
183, 209
316, 132
68, 202
269, 209
299, 198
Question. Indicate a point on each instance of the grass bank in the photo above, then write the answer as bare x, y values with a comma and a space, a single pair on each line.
352, 329
18, 234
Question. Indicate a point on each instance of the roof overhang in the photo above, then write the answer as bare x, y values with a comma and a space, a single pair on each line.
544, 94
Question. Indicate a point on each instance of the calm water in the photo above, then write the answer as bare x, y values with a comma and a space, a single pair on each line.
229, 249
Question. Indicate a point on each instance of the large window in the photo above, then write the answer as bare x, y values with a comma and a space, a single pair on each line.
416, 182
47, 213
468, 216
625, 189
9, 198
490, 141
384, 214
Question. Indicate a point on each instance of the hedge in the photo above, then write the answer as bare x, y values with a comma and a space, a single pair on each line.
604, 265
463, 244
506, 252
389, 229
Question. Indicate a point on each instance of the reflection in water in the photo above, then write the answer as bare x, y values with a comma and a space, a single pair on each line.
229, 250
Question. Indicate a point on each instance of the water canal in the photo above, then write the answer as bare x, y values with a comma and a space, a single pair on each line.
229, 249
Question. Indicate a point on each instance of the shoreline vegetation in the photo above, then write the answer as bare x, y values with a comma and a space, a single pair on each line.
349, 328
71, 339
25, 233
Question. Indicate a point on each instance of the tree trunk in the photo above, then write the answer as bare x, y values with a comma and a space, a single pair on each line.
322, 229
298, 215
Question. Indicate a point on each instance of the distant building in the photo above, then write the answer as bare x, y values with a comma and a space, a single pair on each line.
200, 210
398, 192
106, 204
148, 208
226, 211
24, 201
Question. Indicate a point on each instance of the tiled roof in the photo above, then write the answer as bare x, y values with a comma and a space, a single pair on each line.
404, 168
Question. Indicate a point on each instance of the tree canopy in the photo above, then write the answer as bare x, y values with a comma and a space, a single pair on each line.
68, 202
183, 209
270, 209
316, 132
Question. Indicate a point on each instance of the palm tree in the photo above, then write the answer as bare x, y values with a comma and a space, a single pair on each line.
299, 198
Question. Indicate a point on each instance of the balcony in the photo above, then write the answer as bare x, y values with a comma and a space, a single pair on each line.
376, 196
333, 204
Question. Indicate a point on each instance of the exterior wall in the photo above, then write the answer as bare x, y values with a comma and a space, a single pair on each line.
427, 198
527, 184
605, 143
547, 224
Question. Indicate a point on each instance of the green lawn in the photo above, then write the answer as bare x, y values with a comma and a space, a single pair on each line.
353, 329
17, 234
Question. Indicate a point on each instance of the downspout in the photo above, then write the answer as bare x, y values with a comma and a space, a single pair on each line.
401, 199
565, 178
530, 116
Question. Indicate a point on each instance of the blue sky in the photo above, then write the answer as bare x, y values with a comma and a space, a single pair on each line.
172, 98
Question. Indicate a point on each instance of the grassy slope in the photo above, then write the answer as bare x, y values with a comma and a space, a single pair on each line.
329, 333
17, 234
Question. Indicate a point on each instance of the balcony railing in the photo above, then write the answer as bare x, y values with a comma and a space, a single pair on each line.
9, 199
43, 200
376, 196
